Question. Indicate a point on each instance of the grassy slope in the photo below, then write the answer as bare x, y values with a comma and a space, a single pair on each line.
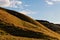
23, 24
52, 26
10, 32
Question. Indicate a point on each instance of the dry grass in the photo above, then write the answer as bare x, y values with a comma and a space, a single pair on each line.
26, 23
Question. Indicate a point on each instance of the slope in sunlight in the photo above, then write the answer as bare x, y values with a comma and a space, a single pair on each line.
25, 25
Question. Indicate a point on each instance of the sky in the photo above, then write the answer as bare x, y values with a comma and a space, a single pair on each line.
37, 9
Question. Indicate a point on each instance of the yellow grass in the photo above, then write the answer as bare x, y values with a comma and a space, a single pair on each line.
31, 25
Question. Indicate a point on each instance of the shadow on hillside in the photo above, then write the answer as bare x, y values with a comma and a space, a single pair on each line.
52, 26
11, 29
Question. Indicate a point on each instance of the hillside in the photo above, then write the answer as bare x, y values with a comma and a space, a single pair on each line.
18, 26
10, 32
52, 26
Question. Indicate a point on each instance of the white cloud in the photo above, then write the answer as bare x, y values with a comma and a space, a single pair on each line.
10, 3
55, 0
13, 4
51, 2
27, 5
27, 11
4, 2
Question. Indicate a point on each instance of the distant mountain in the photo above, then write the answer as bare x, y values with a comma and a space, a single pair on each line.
52, 26
17, 26
58, 24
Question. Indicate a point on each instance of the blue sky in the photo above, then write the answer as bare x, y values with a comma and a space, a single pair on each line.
37, 9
